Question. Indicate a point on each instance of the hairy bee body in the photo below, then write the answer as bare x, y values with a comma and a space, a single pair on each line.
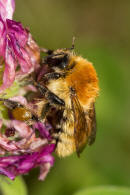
83, 79
68, 92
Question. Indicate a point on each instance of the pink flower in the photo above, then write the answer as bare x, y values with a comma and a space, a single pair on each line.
26, 153
7, 8
17, 48
11, 166
25, 150
20, 148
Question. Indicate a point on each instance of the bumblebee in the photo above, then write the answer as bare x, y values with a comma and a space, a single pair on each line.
68, 98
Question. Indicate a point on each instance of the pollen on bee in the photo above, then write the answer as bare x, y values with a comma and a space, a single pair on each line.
21, 114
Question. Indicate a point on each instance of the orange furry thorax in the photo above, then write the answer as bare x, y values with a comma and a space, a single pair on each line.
83, 79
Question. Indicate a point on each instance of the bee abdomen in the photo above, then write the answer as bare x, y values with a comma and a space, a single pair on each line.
66, 140
67, 122
65, 145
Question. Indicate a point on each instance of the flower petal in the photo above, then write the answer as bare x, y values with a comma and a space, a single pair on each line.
20, 53
28, 163
43, 129
9, 72
7, 9
2, 37
45, 155
4, 143
22, 100
22, 128
33, 50
21, 164
44, 169
19, 32
7, 173
9, 160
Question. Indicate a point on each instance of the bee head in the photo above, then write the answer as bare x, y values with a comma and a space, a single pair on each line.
58, 59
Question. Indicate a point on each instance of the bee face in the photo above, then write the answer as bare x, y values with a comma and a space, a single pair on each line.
58, 60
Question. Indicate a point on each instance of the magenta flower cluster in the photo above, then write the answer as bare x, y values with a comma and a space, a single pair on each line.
14, 40
20, 55
29, 152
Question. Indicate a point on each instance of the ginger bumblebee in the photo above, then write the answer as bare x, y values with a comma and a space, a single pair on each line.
68, 92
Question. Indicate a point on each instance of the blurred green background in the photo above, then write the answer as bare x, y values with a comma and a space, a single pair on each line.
102, 31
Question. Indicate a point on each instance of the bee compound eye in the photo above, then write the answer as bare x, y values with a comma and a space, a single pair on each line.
60, 61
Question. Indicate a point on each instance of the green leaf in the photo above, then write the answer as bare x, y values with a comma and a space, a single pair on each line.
108, 190
11, 91
9, 187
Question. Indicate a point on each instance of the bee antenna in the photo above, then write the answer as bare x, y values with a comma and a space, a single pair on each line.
47, 51
73, 43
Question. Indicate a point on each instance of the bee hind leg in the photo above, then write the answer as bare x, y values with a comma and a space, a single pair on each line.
16, 106
45, 110
10, 103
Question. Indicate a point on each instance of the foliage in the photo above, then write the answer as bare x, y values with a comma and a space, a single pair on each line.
16, 187
109, 190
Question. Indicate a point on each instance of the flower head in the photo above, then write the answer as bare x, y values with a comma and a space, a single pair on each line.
26, 153
17, 48
21, 149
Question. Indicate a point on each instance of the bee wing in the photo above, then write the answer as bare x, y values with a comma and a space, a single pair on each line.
80, 125
92, 124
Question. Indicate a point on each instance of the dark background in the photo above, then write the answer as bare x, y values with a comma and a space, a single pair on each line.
102, 30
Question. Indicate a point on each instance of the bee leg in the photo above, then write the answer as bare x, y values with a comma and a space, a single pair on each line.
51, 97
10, 103
52, 76
47, 51
54, 99
45, 110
